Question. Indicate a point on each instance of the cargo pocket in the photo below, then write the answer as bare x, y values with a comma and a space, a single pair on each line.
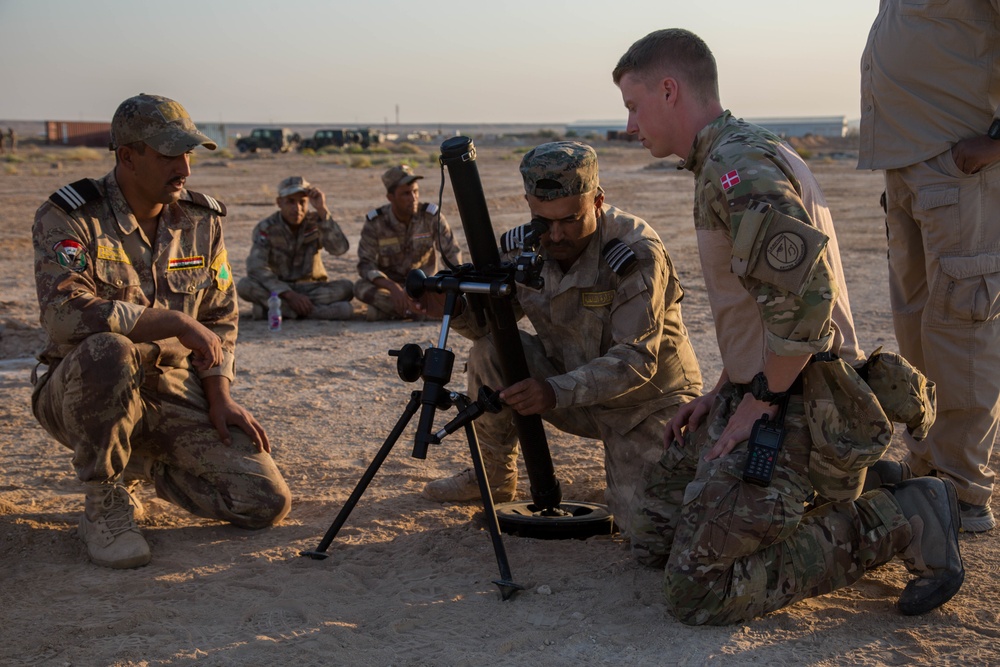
967, 291
738, 519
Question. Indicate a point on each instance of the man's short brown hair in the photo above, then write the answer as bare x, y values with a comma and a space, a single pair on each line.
675, 51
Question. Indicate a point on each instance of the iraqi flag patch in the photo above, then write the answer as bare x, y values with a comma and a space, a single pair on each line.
71, 255
183, 263
730, 180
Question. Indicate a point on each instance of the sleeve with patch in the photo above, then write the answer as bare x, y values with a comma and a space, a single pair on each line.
775, 248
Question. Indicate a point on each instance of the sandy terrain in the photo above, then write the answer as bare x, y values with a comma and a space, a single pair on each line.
408, 581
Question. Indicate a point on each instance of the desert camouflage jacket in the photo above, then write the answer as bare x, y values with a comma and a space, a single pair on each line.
755, 233
281, 254
391, 249
95, 272
613, 322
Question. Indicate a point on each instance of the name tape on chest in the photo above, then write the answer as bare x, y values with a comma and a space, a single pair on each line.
112, 254
597, 299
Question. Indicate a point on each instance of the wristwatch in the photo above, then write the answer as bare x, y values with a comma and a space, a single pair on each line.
994, 131
759, 390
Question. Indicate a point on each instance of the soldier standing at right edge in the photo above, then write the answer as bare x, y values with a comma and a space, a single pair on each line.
734, 550
925, 113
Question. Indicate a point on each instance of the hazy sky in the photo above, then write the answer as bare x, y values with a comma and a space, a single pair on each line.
438, 60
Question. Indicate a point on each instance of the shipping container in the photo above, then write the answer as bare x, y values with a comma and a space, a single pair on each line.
77, 133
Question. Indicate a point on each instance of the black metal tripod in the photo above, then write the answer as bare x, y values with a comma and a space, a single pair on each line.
434, 366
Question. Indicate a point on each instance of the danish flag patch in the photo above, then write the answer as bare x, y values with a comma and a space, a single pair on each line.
729, 180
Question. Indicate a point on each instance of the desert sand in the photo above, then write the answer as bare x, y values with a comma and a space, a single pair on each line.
408, 581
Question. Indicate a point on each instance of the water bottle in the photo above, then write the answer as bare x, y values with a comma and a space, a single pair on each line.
274, 312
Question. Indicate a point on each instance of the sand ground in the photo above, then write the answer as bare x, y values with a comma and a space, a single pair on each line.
408, 581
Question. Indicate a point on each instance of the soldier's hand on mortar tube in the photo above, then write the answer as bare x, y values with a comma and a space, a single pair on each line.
529, 397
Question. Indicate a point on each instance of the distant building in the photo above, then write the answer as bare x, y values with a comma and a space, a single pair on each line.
817, 126
820, 126
78, 133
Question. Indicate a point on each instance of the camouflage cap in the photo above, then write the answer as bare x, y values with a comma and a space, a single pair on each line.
399, 175
904, 393
161, 123
559, 169
848, 427
293, 184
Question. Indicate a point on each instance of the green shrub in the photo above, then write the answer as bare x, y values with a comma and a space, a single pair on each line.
354, 149
223, 153
406, 148
82, 154
361, 162
330, 149
379, 150
308, 152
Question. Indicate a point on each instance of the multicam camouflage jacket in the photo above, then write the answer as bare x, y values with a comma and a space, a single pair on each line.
282, 255
613, 322
95, 272
755, 234
391, 249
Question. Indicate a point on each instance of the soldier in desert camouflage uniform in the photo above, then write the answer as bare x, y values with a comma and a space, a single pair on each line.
285, 257
136, 296
398, 237
611, 359
734, 550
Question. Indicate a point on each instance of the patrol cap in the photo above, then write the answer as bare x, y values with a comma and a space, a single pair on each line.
161, 123
848, 428
291, 185
399, 175
904, 393
559, 169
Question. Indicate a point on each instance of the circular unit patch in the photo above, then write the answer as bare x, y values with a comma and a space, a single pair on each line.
785, 251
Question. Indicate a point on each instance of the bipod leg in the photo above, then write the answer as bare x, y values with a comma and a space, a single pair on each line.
506, 581
320, 552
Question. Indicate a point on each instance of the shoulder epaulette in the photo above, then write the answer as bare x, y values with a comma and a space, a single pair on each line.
207, 202
512, 239
374, 213
619, 257
430, 207
73, 196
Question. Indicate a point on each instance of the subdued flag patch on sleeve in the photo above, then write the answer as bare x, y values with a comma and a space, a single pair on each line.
223, 274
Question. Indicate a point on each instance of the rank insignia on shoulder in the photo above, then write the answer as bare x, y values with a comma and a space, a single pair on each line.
372, 214
207, 202
513, 239
431, 208
619, 257
73, 196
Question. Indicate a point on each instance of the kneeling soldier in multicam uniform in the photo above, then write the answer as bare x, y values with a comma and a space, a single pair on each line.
136, 296
611, 359
398, 237
733, 549
285, 257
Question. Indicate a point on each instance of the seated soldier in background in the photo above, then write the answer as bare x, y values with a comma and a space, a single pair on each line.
285, 257
398, 237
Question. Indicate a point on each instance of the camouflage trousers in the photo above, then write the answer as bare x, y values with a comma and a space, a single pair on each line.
735, 550
320, 293
628, 457
94, 401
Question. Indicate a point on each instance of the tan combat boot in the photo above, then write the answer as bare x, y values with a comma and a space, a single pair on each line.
463, 486
930, 505
108, 527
